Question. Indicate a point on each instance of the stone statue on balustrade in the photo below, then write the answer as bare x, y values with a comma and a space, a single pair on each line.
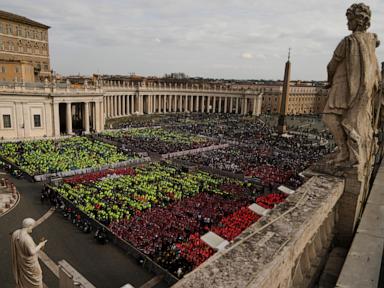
353, 82
25, 263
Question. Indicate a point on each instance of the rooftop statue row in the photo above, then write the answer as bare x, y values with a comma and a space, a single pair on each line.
112, 85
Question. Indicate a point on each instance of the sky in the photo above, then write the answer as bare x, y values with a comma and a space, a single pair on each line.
232, 39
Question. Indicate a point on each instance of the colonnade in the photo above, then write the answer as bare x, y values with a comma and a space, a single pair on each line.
119, 105
122, 105
91, 112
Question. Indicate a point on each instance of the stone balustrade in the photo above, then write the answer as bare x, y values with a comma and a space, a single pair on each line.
363, 265
8, 195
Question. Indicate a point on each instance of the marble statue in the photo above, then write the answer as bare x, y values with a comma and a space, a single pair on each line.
25, 263
353, 82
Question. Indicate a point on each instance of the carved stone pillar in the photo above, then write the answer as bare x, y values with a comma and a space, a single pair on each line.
69, 118
56, 119
86, 117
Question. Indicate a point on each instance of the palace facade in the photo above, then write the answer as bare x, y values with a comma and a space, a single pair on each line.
24, 49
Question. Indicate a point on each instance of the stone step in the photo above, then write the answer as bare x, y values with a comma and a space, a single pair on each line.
258, 209
214, 241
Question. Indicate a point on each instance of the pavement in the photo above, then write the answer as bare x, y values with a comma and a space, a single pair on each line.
103, 265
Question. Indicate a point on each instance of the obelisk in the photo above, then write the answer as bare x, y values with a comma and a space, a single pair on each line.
281, 125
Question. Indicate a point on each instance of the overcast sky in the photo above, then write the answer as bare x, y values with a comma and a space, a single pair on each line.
240, 39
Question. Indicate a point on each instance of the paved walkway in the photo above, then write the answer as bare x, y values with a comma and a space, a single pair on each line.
103, 265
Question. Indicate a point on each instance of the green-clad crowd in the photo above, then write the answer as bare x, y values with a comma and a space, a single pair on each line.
51, 156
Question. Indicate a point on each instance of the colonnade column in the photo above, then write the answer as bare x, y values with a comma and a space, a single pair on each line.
254, 106
109, 106
118, 105
69, 118
226, 105
125, 112
237, 105
99, 116
173, 103
56, 119
243, 105
132, 103
178, 98
185, 103
214, 105
114, 114
219, 110
231, 105
86, 117
151, 103
128, 105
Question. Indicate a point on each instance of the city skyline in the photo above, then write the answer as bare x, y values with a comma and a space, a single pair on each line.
216, 39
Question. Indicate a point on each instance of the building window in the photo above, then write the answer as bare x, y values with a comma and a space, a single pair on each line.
7, 121
17, 70
36, 120
3, 69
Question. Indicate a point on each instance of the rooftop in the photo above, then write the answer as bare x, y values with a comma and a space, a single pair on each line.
20, 19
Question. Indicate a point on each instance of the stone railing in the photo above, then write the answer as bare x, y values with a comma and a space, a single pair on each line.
286, 248
48, 87
363, 265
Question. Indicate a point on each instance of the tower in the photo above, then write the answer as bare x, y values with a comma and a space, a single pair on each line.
281, 125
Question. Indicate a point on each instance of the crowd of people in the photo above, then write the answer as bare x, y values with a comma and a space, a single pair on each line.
156, 206
273, 159
50, 156
157, 140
